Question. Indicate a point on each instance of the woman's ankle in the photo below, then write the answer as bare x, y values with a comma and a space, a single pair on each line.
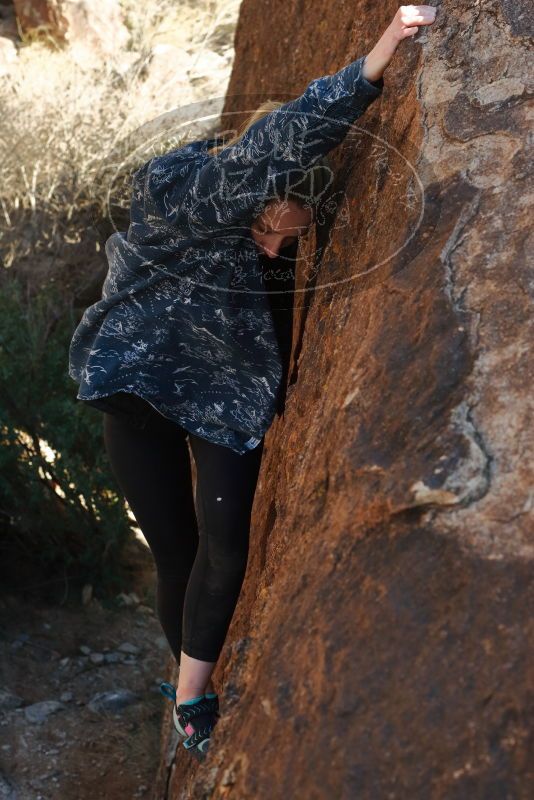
194, 677
188, 694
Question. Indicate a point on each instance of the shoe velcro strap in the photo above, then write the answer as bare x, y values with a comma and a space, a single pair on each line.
198, 736
195, 710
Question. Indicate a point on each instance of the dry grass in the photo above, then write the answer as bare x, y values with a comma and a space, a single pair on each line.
63, 123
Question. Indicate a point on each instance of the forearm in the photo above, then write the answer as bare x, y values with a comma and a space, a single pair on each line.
404, 24
379, 57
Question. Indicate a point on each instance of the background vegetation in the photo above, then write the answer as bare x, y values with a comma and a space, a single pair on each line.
69, 143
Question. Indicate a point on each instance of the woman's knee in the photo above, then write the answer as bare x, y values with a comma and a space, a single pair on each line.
225, 570
175, 565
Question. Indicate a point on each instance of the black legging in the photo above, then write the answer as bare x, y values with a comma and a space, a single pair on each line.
200, 564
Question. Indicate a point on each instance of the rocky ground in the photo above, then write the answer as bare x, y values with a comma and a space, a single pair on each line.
80, 708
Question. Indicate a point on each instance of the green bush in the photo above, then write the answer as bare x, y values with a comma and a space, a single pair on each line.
60, 509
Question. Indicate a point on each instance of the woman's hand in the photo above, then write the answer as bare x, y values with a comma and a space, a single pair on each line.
407, 20
405, 23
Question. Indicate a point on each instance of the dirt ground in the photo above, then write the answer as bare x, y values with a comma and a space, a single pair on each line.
78, 746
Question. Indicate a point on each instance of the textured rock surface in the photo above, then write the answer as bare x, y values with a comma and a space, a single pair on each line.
380, 644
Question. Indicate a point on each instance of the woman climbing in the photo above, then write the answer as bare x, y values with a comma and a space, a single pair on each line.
185, 348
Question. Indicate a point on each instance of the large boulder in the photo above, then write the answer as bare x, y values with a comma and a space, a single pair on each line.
380, 647
93, 29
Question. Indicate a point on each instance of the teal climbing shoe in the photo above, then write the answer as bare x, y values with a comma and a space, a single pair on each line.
194, 719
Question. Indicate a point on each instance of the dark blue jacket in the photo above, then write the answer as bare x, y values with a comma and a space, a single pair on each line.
184, 320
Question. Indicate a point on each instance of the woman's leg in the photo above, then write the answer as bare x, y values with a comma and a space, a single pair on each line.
226, 484
153, 469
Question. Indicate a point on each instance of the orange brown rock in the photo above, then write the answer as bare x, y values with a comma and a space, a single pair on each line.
380, 646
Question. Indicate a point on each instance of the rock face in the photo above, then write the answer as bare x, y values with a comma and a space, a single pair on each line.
380, 644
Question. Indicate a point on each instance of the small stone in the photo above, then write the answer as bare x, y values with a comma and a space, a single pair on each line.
66, 697
85, 650
9, 701
142, 609
124, 599
97, 658
87, 594
115, 700
114, 658
7, 790
39, 712
126, 647
64, 661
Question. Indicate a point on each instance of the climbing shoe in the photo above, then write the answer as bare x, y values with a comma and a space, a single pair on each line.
194, 719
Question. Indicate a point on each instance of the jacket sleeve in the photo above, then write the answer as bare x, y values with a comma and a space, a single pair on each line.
224, 194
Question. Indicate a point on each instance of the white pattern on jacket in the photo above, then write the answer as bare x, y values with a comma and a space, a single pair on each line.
184, 321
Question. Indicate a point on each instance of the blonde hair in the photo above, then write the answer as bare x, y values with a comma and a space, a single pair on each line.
262, 111
317, 178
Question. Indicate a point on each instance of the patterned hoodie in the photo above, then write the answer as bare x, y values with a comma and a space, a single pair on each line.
185, 320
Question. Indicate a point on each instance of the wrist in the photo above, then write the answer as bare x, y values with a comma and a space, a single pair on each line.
379, 57
390, 39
